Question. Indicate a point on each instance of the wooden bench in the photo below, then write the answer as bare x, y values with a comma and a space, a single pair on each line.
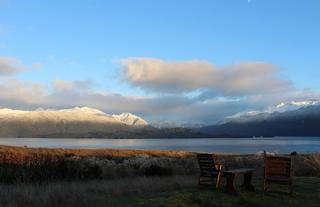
279, 170
232, 174
210, 171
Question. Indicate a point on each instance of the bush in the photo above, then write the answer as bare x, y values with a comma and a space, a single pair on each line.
155, 170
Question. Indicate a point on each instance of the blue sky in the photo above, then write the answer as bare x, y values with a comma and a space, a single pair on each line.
89, 39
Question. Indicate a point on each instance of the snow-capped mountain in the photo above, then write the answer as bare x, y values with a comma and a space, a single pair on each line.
293, 105
72, 114
304, 121
130, 119
78, 120
281, 107
82, 122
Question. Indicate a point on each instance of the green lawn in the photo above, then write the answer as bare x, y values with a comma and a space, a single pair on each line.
306, 193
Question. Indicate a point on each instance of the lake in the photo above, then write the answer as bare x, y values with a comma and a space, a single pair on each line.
225, 145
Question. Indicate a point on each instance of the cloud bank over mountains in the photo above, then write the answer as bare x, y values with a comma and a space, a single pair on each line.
185, 91
175, 77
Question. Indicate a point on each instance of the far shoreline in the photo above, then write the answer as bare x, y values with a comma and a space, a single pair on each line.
131, 152
278, 145
133, 138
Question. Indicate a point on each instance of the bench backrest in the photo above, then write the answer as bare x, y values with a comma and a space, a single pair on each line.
206, 164
279, 166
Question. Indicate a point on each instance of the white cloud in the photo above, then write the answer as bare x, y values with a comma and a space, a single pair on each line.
80, 85
10, 66
14, 93
37, 66
186, 76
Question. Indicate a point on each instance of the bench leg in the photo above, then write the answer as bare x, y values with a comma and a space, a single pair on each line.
230, 184
247, 182
291, 189
218, 180
264, 186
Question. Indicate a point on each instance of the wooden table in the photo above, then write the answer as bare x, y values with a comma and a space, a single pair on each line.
232, 174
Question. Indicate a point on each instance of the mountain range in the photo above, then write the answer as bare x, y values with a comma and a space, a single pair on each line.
285, 119
82, 122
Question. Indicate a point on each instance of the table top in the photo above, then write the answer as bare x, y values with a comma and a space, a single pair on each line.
239, 171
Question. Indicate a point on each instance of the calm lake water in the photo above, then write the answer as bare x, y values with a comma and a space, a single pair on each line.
226, 145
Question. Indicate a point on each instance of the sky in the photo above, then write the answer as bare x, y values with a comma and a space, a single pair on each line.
179, 60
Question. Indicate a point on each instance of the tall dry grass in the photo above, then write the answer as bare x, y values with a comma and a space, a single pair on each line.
20, 164
38, 165
25, 152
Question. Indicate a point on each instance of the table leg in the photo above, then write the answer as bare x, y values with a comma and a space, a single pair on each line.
230, 184
247, 181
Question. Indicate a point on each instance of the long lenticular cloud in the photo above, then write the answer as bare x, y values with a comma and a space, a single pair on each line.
246, 78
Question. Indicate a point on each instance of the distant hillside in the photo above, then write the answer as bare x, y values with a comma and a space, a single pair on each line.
75, 121
304, 121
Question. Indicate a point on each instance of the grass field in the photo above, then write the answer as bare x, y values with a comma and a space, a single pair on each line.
307, 193
173, 191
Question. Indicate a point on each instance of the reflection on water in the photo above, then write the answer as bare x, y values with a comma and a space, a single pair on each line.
228, 145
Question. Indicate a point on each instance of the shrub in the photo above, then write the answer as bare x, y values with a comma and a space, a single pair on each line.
156, 170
